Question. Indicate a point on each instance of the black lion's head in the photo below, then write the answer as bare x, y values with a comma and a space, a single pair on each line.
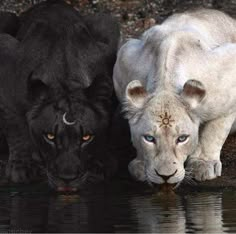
70, 135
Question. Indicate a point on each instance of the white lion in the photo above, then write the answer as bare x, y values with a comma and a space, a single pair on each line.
178, 87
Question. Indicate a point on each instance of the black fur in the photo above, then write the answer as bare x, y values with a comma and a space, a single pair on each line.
60, 62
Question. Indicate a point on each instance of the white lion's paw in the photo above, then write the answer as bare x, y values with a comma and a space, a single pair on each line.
202, 170
137, 169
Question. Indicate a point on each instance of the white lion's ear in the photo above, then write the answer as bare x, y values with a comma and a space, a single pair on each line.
135, 94
193, 93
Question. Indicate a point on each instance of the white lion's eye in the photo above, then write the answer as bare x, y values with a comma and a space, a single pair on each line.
149, 138
182, 138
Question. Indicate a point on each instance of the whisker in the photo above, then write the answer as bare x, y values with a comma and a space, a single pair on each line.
189, 180
51, 178
178, 184
84, 177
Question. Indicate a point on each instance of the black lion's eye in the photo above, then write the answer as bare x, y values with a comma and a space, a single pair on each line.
87, 137
182, 138
49, 137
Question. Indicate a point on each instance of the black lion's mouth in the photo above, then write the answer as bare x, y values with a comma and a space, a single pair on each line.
86, 179
67, 189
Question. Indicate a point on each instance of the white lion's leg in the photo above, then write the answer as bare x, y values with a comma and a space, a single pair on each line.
205, 163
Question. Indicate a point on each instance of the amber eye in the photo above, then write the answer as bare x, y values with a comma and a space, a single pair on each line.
86, 137
50, 136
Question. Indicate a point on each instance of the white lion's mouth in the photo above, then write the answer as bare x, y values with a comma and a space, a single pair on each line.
173, 179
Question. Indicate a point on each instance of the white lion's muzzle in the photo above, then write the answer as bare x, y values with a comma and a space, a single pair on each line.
170, 178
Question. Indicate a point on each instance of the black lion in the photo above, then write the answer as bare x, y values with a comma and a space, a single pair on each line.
56, 95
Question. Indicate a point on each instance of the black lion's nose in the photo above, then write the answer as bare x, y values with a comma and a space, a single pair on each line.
67, 178
165, 177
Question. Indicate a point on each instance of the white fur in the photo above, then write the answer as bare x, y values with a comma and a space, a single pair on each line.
196, 46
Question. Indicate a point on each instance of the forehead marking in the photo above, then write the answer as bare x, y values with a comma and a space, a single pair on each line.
65, 121
165, 120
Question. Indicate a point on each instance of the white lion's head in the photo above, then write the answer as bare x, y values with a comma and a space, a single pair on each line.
164, 130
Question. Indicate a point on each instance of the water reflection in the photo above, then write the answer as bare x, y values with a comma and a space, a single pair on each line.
206, 215
159, 215
118, 211
67, 214
198, 213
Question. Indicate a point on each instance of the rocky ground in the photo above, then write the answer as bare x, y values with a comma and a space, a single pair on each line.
135, 16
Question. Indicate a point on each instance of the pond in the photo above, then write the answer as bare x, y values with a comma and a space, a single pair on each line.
119, 207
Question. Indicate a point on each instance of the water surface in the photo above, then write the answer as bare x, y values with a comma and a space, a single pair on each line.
117, 208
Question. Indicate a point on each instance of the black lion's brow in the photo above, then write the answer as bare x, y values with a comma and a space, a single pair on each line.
55, 130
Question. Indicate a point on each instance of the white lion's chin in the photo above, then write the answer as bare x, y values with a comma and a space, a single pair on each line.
154, 178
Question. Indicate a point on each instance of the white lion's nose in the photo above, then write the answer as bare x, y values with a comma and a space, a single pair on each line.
165, 177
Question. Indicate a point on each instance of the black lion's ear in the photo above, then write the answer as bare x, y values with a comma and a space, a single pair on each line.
8, 46
100, 89
105, 29
37, 88
9, 23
